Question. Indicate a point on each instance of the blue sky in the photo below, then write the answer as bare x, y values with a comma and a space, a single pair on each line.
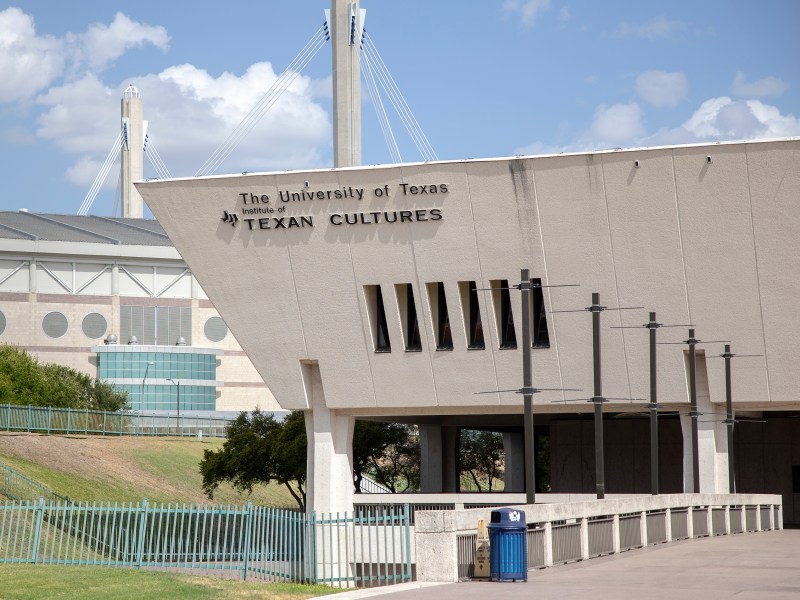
482, 78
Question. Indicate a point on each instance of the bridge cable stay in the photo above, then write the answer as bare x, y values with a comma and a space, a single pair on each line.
155, 158
380, 110
117, 208
283, 82
397, 99
116, 148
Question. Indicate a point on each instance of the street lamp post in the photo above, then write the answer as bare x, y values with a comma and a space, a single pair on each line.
141, 389
178, 384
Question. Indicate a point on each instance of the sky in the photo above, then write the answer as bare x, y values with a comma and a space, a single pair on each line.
482, 78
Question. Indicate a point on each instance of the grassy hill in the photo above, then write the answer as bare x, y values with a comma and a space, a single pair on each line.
124, 468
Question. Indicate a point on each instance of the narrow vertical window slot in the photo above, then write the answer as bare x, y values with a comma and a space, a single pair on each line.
377, 318
441, 318
408, 317
471, 312
540, 338
504, 316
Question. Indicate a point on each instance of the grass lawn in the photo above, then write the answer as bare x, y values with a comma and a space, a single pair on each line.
125, 469
33, 582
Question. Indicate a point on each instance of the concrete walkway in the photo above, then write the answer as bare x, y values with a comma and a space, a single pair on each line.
745, 566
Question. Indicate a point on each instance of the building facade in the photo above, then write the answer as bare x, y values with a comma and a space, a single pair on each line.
114, 299
388, 292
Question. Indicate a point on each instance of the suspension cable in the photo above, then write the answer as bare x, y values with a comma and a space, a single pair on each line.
155, 158
397, 99
116, 148
309, 51
380, 110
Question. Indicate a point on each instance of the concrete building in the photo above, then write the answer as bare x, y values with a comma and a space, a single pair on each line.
112, 297
383, 292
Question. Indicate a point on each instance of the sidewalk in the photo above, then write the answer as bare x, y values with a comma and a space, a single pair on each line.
744, 566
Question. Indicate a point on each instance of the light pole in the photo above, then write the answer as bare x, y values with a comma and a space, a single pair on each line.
141, 389
177, 383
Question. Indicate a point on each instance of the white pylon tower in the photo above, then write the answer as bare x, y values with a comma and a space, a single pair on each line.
346, 23
133, 128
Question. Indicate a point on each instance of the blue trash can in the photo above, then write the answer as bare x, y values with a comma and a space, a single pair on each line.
508, 550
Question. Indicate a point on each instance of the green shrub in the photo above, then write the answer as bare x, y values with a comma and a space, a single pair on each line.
24, 381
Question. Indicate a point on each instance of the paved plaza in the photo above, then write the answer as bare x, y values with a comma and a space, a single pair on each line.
746, 566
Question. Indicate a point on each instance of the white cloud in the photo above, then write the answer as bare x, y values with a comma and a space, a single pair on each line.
28, 62
769, 86
190, 113
722, 118
658, 27
616, 125
527, 9
661, 88
103, 44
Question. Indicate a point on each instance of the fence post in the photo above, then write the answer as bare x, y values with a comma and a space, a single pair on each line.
49, 419
407, 525
142, 530
248, 523
615, 533
643, 528
584, 538
548, 544
668, 524
69, 419
29, 418
38, 533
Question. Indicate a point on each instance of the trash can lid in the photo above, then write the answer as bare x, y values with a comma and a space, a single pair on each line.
508, 515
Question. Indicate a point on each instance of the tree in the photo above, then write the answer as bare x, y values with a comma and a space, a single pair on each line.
389, 452
481, 456
23, 380
259, 449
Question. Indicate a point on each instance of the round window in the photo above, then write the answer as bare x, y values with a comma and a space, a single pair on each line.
215, 329
54, 325
94, 326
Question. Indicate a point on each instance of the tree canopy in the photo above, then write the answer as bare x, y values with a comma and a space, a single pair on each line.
260, 449
24, 380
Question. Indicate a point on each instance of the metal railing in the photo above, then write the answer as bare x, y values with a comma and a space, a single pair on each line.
565, 532
249, 542
566, 543
71, 420
601, 536
656, 527
16, 486
630, 531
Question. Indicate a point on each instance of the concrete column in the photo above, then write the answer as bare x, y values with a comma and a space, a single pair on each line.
727, 519
450, 480
758, 517
668, 524
548, 544
330, 449
514, 452
643, 528
712, 439
346, 82
431, 465
689, 522
132, 152
32, 276
585, 538
615, 532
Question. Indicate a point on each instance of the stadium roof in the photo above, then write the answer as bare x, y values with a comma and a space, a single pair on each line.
25, 225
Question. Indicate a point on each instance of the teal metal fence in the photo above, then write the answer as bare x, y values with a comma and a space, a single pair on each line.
68, 420
248, 542
16, 486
